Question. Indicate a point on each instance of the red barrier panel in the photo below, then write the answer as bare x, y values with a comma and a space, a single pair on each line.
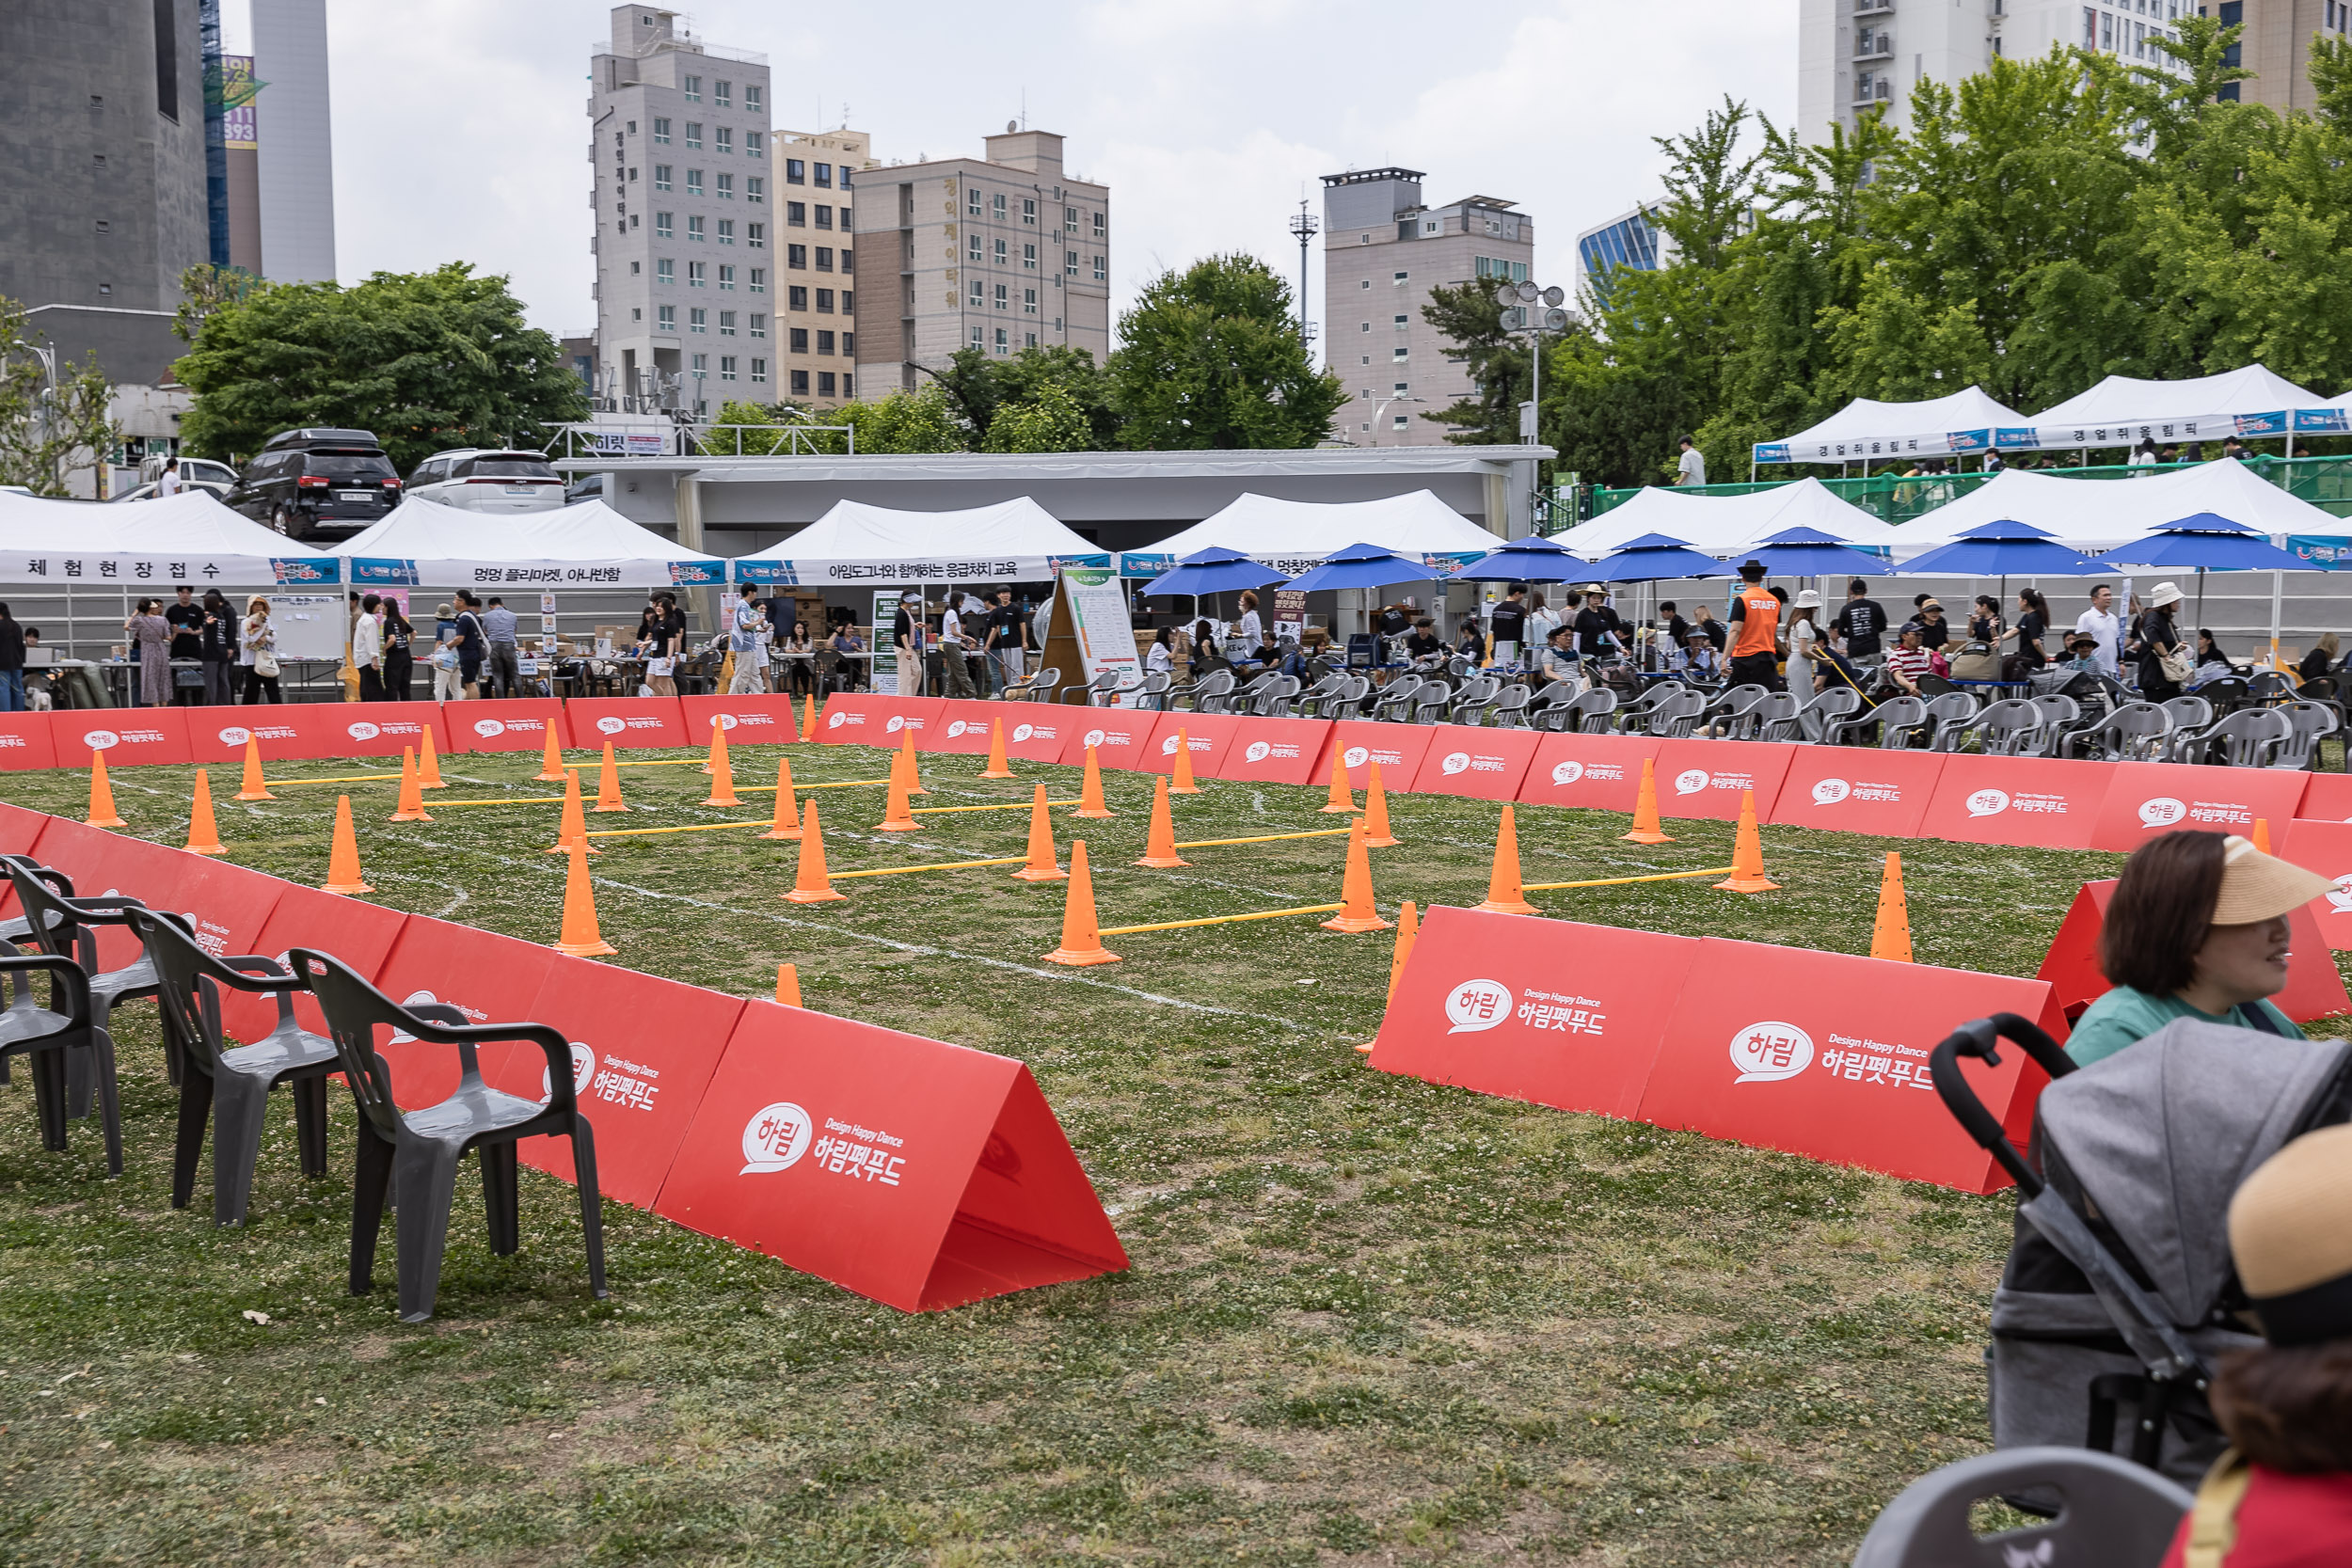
230, 904
1858, 790
1040, 732
1825, 1055
1480, 764
963, 728
1707, 779
1207, 736
2314, 990
27, 741
2038, 802
491, 978
1278, 750
1595, 773
128, 736
359, 933
917, 1174
2327, 797
2151, 797
643, 1052
510, 725
21, 832
632, 724
1398, 749
876, 718
2327, 849
103, 862
1121, 737
748, 721
295, 731
1552, 1011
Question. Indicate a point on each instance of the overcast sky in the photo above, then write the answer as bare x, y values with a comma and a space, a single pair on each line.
461, 132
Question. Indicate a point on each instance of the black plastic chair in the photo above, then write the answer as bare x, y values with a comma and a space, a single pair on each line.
1902, 721
416, 1153
2227, 694
2135, 732
19, 927
1951, 713
66, 928
2270, 686
52, 1038
2249, 737
231, 1085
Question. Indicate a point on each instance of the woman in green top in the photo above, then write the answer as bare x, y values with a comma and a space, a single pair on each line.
2197, 929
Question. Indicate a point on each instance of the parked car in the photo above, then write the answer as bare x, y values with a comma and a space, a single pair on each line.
316, 483
195, 473
488, 479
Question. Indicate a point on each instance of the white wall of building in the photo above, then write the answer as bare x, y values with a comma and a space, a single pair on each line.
297, 155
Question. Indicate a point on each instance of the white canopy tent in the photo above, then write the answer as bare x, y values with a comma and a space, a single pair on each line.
2096, 514
1291, 536
1866, 429
424, 544
2120, 410
857, 546
1725, 525
151, 547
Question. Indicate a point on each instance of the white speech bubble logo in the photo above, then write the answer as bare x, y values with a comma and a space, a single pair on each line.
1690, 780
1567, 772
958, 728
832, 721
1167, 747
99, 741
486, 728
1767, 1053
1828, 792
898, 722
363, 730
414, 999
1257, 750
728, 720
235, 736
1476, 1004
1455, 761
1356, 756
2161, 812
2341, 900
583, 1069
1988, 802
1022, 732
610, 725
774, 1137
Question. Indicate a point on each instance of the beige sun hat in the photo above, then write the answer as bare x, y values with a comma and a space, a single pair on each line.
1808, 599
2256, 887
2164, 593
2291, 1237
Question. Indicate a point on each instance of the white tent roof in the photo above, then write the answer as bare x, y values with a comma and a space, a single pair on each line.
2250, 400
2095, 514
426, 544
1291, 536
1725, 525
152, 545
856, 544
1866, 428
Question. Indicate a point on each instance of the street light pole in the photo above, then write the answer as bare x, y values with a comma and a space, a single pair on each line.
1540, 311
1304, 226
1381, 407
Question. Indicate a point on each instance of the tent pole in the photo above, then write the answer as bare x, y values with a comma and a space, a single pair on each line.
2277, 597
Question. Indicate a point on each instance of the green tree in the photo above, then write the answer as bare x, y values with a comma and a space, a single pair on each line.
978, 384
54, 419
1498, 364
425, 360
1050, 421
1211, 357
904, 422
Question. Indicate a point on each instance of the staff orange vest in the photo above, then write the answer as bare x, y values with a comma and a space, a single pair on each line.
1759, 624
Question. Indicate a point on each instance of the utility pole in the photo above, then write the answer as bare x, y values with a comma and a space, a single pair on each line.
1304, 226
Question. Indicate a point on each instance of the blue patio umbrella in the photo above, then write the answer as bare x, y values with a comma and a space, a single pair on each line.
2208, 542
1808, 552
1655, 557
2003, 548
1533, 559
1215, 570
1361, 566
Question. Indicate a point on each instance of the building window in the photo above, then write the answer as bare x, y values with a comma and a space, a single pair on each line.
693, 133
693, 181
796, 257
1399, 279
1102, 270
824, 384
1001, 254
824, 302
1070, 220
661, 132
664, 270
662, 177
2106, 31
799, 339
996, 205
848, 303
796, 214
1028, 211
799, 300
795, 172
1069, 264
972, 203
694, 85
1401, 355
727, 187
759, 281
973, 250
727, 231
1098, 226
665, 317
824, 176
726, 324
755, 235
979, 297
751, 96
847, 379
754, 188
824, 215
697, 274
698, 319
723, 141
662, 230
726, 278
754, 144
695, 228
1003, 296
800, 383
1000, 340
824, 257
759, 324
824, 341
1403, 322
849, 350
1028, 302
1032, 339
759, 370
979, 337
1367, 326
727, 367
1400, 422
1028, 258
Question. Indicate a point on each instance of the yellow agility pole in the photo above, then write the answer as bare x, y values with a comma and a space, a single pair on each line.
519, 801
687, 828
1217, 919
348, 777
1620, 881
1267, 838
803, 788
1010, 805
929, 865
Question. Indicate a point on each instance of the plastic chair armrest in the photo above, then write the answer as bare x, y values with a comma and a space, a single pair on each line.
262, 975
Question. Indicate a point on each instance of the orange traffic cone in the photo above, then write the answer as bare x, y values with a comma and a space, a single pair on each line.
898, 817
551, 756
1376, 834
1159, 848
102, 795
808, 719
1891, 937
203, 834
1041, 867
1342, 801
255, 787
411, 805
609, 783
1182, 783
1408, 927
1747, 853
1081, 934
1503, 884
580, 937
429, 764
343, 859
1647, 829
812, 886
787, 986
907, 760
999, 766
575, 826
2262, 834
787, 823
1090, 789
721, 770
1356, 908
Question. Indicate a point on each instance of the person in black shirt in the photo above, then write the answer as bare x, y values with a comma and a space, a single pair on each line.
1677, 630
1008, 640
1709, 628
216, 645
1424, 640
1934, 631
1508, 622
187, 620
1861, 622
1595, 624
1396, 619
1469, 641
2033, 625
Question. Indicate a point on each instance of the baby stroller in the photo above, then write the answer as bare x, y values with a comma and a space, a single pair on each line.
2119, 1293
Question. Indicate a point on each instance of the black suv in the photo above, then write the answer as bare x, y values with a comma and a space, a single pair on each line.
314, 484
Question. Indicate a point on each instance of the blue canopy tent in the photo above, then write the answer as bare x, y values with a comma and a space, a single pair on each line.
1215, 570
1358, 567
2208, 542
2002, 548
1808, 552
1655, 557
1531, 559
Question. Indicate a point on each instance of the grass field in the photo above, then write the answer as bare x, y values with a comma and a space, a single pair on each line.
1369, 1319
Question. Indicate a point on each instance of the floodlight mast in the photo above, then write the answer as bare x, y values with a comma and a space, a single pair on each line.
1304, 225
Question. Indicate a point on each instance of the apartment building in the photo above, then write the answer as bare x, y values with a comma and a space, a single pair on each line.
295, 151
1383, 251
816, 341
1630, 241
2276, 48
686, 267
1001, 252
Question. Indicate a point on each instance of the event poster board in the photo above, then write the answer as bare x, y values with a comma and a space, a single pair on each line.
1091, 632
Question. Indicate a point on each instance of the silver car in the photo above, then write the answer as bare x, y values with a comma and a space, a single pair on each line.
488, 479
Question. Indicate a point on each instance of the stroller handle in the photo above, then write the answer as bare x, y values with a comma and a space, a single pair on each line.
1981, 1038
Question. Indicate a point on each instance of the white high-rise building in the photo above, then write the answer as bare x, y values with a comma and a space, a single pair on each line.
297, 155
1854, 55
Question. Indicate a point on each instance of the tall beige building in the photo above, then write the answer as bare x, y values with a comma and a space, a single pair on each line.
999, 253
1383, 251
816, 261
2276, 48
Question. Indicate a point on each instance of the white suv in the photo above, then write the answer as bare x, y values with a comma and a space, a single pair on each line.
488, 479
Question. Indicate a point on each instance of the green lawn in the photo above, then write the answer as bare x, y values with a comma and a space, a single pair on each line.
1369, 1318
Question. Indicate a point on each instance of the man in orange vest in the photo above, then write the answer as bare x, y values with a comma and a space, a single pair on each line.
1754, 630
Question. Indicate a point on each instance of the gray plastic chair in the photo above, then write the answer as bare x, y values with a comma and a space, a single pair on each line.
1839, 702
2248, 738
1594, 712
1431, 701
1275, 697
230, 1086
1213, 691
1395, 702
66, 928
2188, 713
2010, 728
1902, 721
2313, 722
52, 1038
2135, 732
1723, 713
2112, 1513
2061, 716
1778, 716
1676, 712
1038, 688
1508, 711
415, 1153
1951, 713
